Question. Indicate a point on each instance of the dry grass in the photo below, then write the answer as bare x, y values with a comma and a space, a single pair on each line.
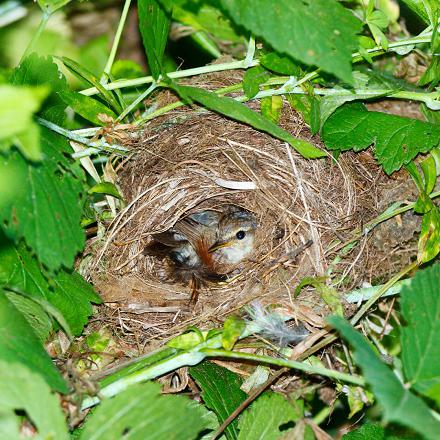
191, 160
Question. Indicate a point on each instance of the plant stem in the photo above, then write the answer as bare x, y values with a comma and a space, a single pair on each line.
139, 99
279, 362
30, 48
174, 75
243, 64
111, 58
384, 288
361, 312
95, 147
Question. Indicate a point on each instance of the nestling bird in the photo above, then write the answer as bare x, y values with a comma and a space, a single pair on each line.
208, 245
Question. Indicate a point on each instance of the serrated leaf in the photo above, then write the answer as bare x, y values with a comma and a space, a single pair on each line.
263, 419
23, 390
233, 328
47, 207
154, 24
420, 304
369, 431
398, 403
86, 107
141, 412
220, 391
19, 344
67, 292
396, 140
16, 118
42, 71
286, 27
235, 110
252, 80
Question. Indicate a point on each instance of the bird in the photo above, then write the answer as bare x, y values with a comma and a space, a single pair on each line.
206, 245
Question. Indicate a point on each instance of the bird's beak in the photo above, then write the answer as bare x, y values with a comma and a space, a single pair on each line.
217, 246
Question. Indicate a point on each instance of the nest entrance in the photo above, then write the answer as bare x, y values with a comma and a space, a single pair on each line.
191, 161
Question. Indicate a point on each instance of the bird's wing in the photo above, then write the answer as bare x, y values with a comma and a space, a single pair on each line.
169, 238
205, 218
193, 231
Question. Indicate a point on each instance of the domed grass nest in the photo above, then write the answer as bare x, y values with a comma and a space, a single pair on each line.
191, 159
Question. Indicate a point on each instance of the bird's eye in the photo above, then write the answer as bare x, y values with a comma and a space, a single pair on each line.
240, 235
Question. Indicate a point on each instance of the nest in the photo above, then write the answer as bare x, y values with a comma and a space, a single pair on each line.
190, 160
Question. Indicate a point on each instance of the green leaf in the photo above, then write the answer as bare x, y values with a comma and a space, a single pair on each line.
420, 304
86, 107
369, 431
398, 403
205, 17
18, 343
280, 64
287, 26
16, 118
23, 390
271, 108
432, 74
42, 71
68, 292
85, 74
397, 140
34, 314
141, 412
263, 419
429, 241
252, 80
424, 202
233, 328
187, 340
105, 188
50, 6
235, 110
425, 9
220, 391
47, 207
330, 295
302, 104
126, 69
154, 23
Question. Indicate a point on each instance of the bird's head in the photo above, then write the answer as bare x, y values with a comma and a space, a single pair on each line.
235, 236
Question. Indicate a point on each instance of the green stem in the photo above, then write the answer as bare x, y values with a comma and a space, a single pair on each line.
322, 415
384, 288
279, 362
111, 58
361, 312
94, 147
174, 75
139, 99
243, 64
178, 104
31, 46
